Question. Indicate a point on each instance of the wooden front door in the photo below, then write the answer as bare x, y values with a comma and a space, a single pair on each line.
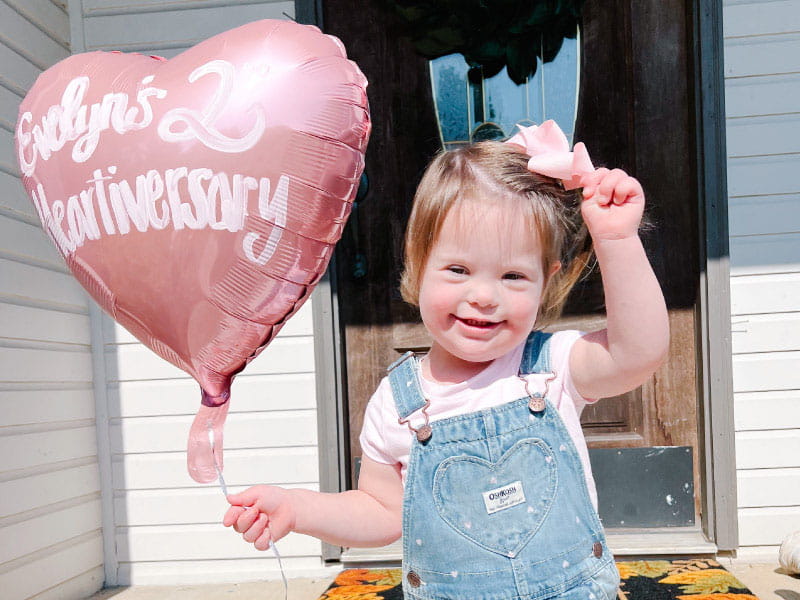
635, 112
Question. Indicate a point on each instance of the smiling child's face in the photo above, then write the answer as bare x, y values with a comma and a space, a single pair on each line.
481, 288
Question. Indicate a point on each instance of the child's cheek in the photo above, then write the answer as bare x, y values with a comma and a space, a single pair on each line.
436, 308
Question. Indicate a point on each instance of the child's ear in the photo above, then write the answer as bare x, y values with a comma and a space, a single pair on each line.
554, 268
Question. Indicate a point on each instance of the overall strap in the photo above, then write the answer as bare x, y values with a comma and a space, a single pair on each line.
407, 393
536, 355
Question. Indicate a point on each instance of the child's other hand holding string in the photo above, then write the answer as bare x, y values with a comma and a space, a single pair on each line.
262, 514
367, 516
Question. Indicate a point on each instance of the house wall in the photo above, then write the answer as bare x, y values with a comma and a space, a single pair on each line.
762, 86
50, 540
167, 528
162, 527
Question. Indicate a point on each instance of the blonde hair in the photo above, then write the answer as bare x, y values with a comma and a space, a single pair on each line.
496, 170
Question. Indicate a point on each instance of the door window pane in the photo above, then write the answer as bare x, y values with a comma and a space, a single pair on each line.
451, 95
559, 84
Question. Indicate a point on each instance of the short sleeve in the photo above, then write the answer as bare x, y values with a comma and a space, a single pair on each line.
560, 348
374, 443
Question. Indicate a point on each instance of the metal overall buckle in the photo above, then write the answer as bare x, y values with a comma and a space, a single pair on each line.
425, 432
537, 402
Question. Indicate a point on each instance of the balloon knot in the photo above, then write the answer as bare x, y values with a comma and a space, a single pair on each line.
213, 401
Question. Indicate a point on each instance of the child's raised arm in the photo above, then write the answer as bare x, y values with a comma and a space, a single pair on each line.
368, 516
636, 339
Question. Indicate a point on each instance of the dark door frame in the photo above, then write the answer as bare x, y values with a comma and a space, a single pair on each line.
714, 368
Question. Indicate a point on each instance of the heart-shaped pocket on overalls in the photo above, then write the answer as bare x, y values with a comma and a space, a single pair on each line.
501, 505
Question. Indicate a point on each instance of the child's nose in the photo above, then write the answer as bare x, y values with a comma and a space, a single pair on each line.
482, 294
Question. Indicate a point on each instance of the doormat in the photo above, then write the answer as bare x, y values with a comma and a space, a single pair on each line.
679, 579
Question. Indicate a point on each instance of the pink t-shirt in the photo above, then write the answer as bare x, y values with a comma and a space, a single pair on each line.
384, 440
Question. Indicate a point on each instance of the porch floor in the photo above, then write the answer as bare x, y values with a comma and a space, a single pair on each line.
767, 581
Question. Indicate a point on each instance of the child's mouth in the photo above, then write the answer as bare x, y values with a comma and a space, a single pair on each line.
478, 323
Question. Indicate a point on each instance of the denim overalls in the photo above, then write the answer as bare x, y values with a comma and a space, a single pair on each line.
496, 505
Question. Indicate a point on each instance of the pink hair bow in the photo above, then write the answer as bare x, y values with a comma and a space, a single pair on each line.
550, 155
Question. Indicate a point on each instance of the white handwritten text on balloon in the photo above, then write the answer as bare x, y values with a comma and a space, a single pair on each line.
222, 204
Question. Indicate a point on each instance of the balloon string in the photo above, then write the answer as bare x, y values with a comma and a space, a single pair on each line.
224, 488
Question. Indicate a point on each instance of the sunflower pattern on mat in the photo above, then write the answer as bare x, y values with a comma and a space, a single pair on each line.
684, 579
718, 597
365, 584
681, 579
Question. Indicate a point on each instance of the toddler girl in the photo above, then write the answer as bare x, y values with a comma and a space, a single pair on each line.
474, 452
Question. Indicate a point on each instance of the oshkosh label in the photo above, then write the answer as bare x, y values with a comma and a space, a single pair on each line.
504, 497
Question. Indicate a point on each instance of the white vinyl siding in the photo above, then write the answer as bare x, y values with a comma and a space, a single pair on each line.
166, 27
762, 82
51, 545
166, 528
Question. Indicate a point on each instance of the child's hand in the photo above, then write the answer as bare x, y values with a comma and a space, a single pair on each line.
262, 514
613, 204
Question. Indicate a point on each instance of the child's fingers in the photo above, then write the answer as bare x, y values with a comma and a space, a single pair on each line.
626, 190
590, 180
605, 189
256, 529
235, 499
233, 513
263, 541
246, 520
246, 498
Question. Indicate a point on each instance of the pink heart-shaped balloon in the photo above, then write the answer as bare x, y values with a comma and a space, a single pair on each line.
198, 199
